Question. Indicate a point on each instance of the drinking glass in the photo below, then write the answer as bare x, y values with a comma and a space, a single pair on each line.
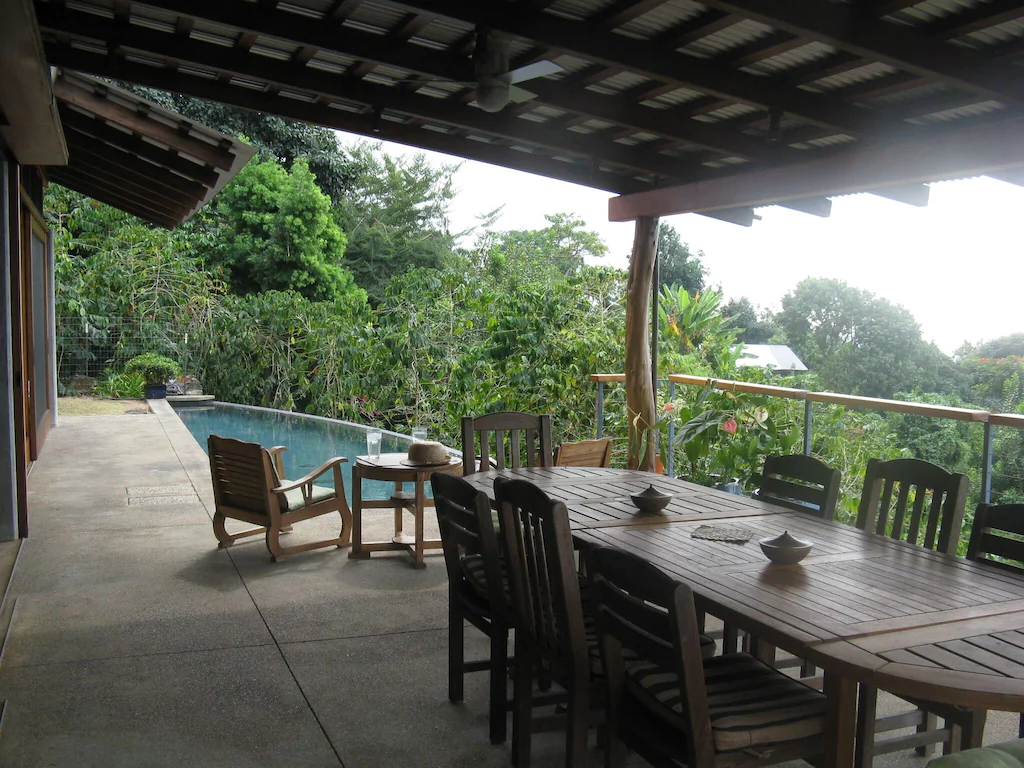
419, 434
373, 438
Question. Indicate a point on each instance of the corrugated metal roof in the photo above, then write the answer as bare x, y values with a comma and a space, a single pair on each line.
746, 31
618, 83
1001, 33
862, 74
930, 10
661, 19
577, 10
776, 356
374, 17
805, 54
948, 115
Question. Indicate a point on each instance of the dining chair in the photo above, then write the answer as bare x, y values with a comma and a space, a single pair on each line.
505, 439
672, 707
915, 501
249, 485
997, 539
801, 483
478, 591
586, 453
548, 614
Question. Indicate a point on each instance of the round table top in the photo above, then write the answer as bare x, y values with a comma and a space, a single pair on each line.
396, 462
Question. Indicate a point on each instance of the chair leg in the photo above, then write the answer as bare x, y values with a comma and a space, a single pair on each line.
576, 727
273, 543
522, 710
346, 526
867, 704
499, 686
931, 723
221, 532
456, 649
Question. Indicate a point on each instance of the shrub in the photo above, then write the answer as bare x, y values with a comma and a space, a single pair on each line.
121, 386
154, 369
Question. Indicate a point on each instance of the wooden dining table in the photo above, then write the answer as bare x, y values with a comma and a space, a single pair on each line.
863, 607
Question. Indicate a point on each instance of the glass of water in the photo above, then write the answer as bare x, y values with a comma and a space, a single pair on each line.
373, 438
419, 434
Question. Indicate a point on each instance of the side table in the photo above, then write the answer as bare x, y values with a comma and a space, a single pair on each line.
391, 467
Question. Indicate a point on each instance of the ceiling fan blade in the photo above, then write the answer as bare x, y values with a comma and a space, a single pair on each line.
537, 69
518, 95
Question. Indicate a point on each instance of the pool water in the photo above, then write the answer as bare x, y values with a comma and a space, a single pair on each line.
310, 441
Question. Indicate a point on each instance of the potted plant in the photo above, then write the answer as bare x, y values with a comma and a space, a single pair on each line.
156, 370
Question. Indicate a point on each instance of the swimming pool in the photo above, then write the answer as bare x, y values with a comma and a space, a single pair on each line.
311, 440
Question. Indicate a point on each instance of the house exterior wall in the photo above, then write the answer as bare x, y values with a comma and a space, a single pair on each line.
9, 528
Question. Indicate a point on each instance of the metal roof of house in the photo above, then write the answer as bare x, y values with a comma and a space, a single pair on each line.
778, 357
654, 93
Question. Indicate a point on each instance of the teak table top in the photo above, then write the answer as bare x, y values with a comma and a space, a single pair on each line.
863, 607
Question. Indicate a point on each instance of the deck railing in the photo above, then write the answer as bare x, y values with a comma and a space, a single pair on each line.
987, 419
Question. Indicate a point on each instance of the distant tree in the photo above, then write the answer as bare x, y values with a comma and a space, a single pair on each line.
754, 325
273, 231
558, 251
395, 216
855, 341
282, 140
677, 264
1011, 345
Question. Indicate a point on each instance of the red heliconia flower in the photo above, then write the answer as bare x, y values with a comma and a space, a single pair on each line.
729, 426
669, 407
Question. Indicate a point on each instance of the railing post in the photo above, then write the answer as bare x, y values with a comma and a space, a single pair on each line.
986, 465
808, 426
600, 409
671, 468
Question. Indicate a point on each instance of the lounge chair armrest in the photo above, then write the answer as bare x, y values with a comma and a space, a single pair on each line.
275, 456
291, 485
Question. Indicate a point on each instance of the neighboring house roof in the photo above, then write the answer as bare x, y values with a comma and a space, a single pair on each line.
776, 356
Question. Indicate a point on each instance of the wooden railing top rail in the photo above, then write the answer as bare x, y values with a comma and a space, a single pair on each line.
833, 398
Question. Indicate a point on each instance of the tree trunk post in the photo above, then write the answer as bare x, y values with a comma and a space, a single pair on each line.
640, 407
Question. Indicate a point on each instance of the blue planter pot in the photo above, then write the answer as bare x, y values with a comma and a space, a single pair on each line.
156, 391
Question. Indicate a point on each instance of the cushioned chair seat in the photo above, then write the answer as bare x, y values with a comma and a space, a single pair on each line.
476, 577
293, 500
751, 704
1009, 754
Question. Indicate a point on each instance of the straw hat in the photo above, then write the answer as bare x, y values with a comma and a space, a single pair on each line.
426, 453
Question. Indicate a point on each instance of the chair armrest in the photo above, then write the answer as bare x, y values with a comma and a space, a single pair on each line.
291, 485
275, 455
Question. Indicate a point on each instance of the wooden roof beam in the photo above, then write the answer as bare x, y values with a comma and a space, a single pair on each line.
319, 114
815, 206
975, 151
305, 79
908, 194
846, 28
623, 12
431, 109
643, 58
974, 19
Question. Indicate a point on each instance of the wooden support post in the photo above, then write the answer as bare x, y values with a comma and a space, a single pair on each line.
639, 388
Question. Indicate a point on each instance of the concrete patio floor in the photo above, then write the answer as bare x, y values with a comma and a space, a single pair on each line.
136, 642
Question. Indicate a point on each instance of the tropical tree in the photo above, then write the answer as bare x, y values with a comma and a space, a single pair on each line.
754, 325
677, 264
272, 230
695, 337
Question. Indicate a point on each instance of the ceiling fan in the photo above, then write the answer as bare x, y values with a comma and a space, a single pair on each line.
495, 84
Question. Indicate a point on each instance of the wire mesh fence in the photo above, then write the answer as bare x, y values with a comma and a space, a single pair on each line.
87, 347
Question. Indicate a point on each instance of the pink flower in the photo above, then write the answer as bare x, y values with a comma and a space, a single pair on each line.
670, 407
729, 426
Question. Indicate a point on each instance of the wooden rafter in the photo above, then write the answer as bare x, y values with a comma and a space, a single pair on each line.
590, 174
974, 151
650, 61
845, 28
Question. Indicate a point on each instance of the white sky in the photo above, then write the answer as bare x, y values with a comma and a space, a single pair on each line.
957, 265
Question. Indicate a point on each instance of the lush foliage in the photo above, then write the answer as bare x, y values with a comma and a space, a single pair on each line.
677, 264
753, 325
153, 368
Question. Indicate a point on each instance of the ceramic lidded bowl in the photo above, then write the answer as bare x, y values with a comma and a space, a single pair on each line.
426, 453
785, 549
651, 500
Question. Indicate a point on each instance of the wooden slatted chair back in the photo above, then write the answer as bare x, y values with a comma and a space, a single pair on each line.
548, 608
997, 536
640, 609
242, 473
467, 529
506, 439
801, 483
915, 501
587, 453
